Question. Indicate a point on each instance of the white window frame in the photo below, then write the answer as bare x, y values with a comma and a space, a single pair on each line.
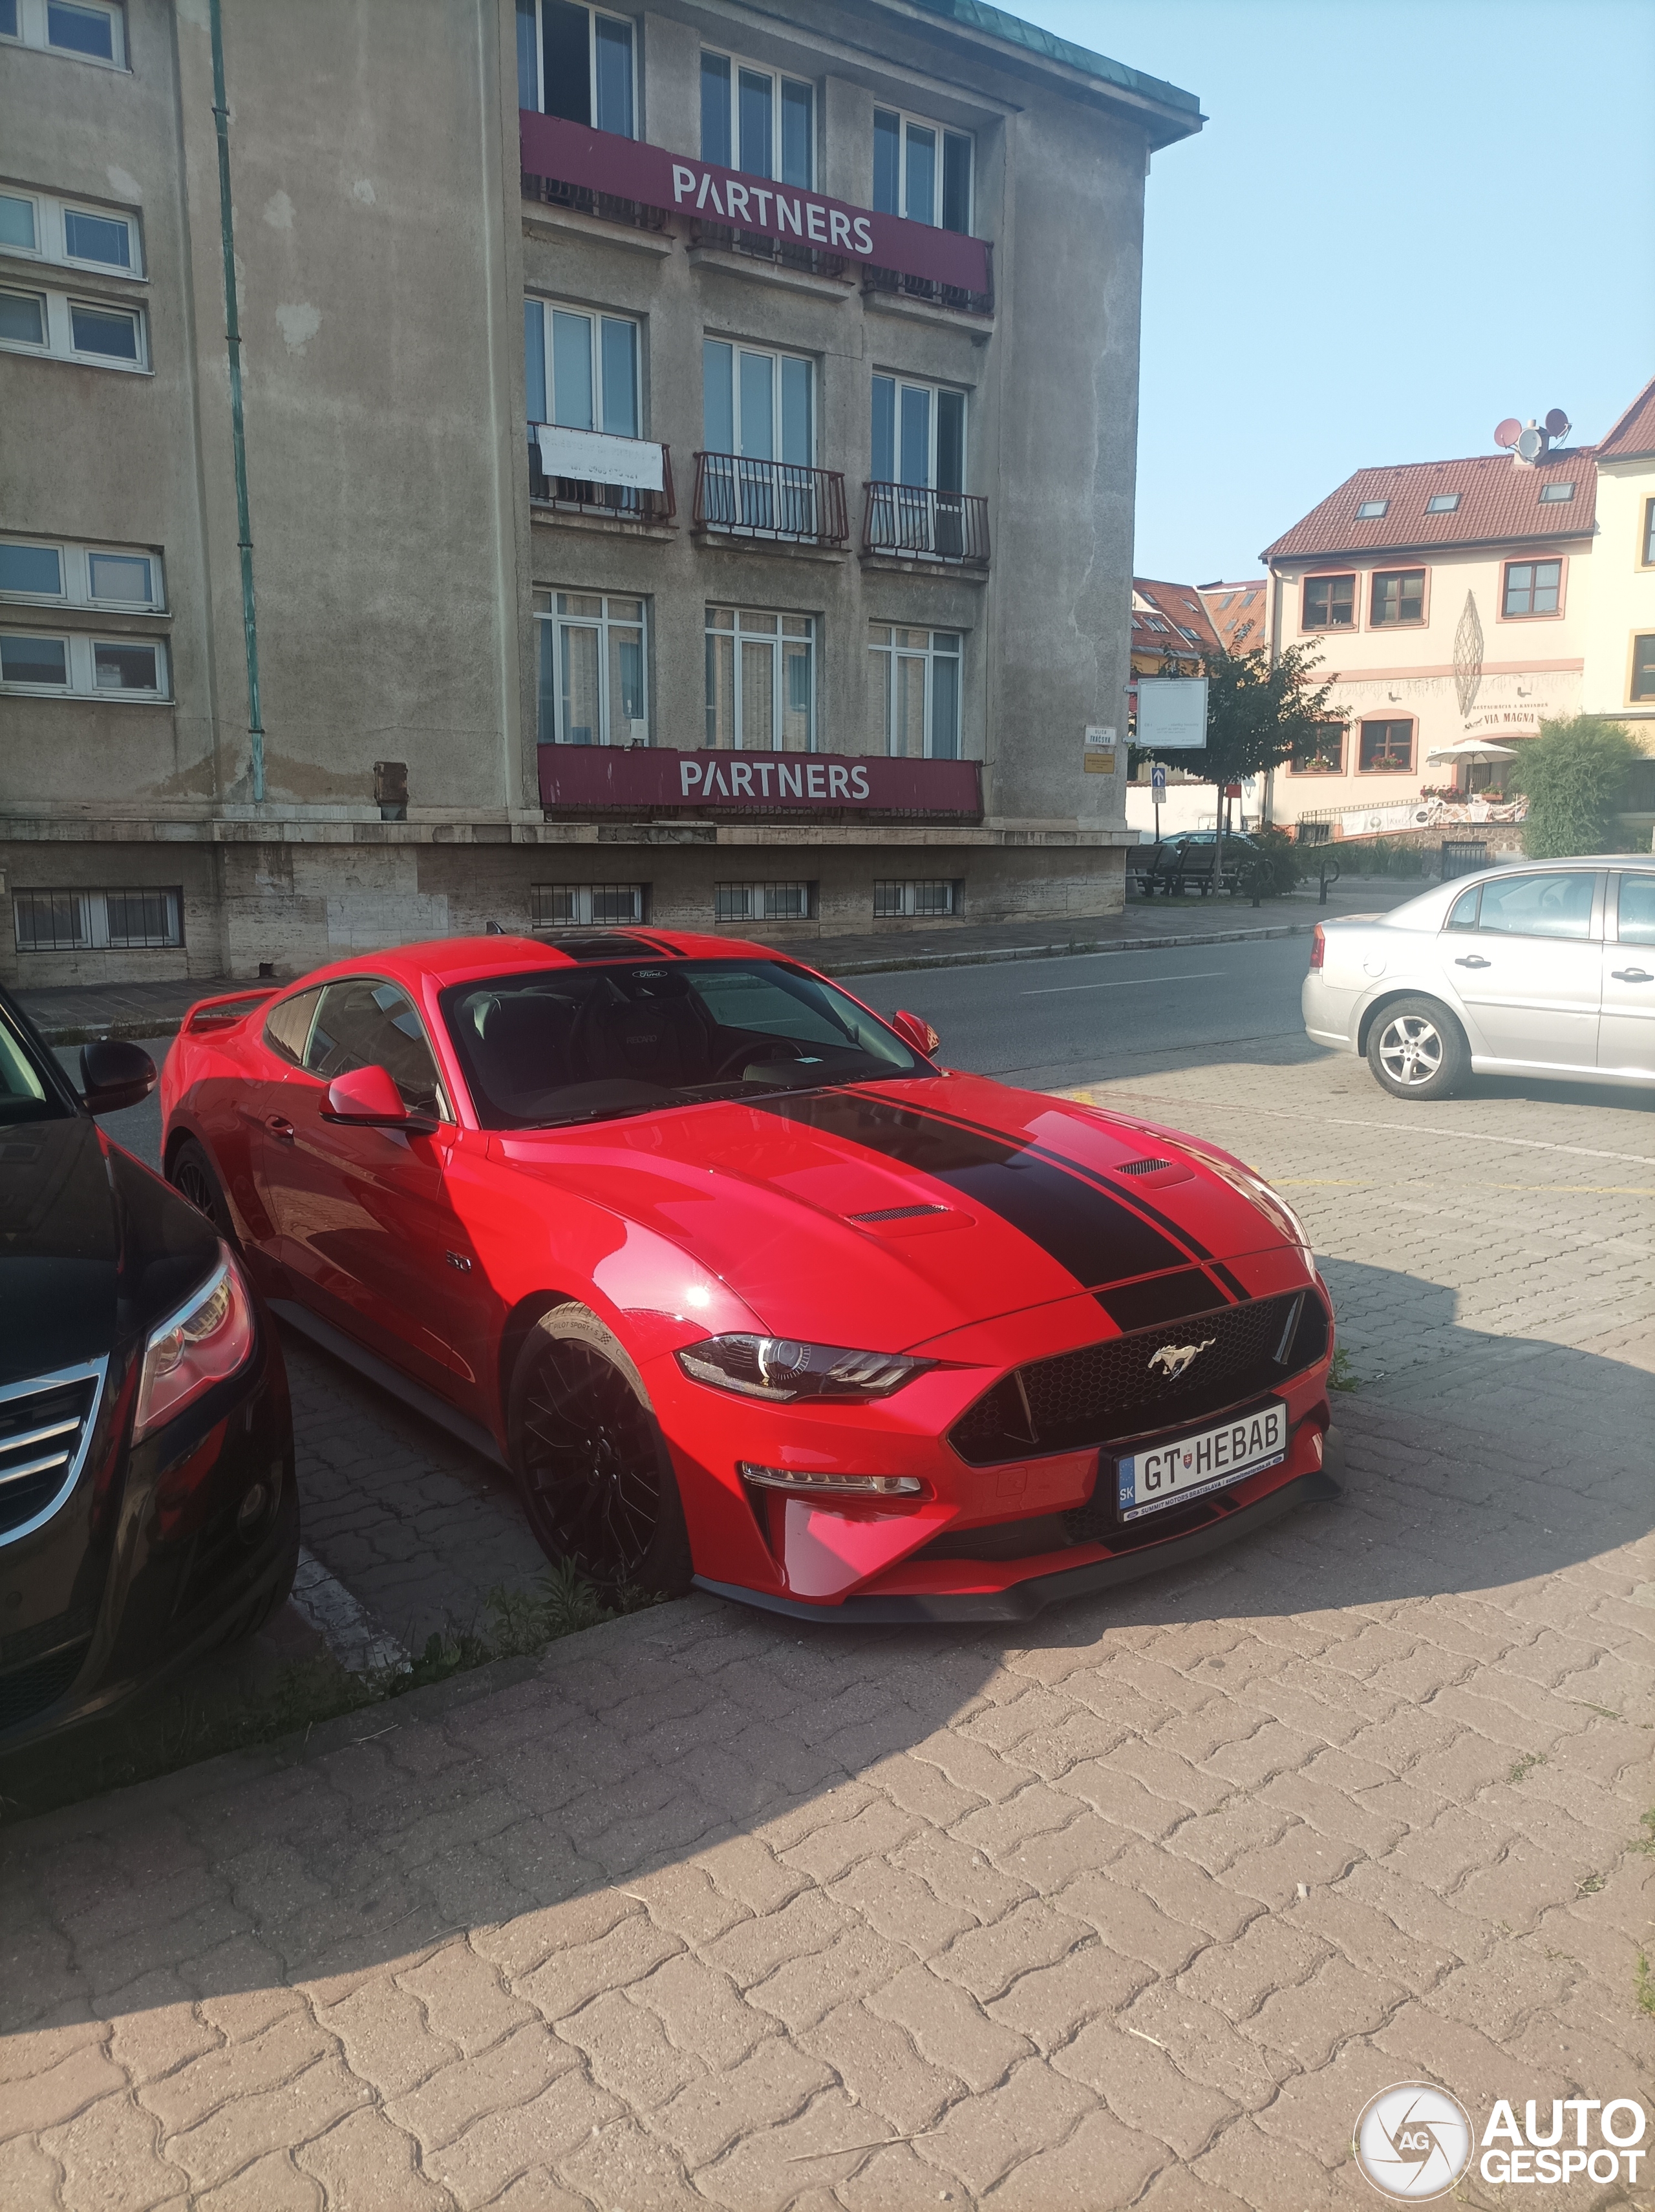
636, 728
59, 344
775, 357
889, 652
738, 63
50, 246
32, 31
905, 117
933, 391
92, 918
75, 562
779, 639
614, 15
581, 899
905, 904
81, 660
594, 318
760, 902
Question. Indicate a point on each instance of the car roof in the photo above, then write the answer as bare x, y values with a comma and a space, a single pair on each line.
443, 961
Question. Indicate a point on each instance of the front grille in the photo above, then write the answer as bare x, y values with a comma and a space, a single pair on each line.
44, 1426
1107, 1392
32, 1689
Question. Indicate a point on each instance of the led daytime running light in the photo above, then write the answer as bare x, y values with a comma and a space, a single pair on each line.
198, 1345
784, 1371
820, 1482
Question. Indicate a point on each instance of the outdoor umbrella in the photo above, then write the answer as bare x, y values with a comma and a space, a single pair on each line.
1472, 749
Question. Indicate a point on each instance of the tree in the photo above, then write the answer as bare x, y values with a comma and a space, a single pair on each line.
1572, 774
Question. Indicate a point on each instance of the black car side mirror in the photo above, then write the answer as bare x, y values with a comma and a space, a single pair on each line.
114, 1073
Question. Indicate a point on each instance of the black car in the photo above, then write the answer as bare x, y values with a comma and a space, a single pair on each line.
1184, 861
148, 1509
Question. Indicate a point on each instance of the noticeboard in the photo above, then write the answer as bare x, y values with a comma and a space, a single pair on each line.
1172, 714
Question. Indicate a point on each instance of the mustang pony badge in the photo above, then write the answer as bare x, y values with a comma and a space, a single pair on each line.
1175, 1357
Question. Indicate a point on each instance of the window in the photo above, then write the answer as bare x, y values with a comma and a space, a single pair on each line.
90, 29
73, 330
1636, 910
1643, 667
757, 404
1399, 596
1649, 533
1326, 756
584, 906
761, 681
1372, 509
80, 575
1329, 602
592, 677
758, 122
1463, 914
1555, 494
908, 179
98, 921
576, 62
581, 369
1442, 502
890, 899
919, 434
1386, 748
38, 224
84, 667
916, 692
1539, 905
764, 902
287, 1026
362, 1022
1532, 587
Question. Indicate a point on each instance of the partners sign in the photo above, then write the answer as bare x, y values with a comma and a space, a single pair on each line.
612, 777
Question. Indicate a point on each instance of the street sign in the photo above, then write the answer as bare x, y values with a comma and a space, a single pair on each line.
1157, 779
1172, 712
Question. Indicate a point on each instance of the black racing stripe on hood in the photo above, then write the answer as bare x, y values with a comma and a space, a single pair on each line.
1081, 1226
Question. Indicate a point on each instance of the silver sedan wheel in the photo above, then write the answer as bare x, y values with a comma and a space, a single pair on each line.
1411, 1051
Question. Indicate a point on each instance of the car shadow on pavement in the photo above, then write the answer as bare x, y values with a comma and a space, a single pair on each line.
695, 1766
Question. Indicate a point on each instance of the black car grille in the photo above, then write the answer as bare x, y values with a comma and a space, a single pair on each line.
1107, 1392
42, 1428
30, 1690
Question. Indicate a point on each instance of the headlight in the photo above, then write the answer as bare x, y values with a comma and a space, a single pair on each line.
776, 1368
833, 1485
209, 1336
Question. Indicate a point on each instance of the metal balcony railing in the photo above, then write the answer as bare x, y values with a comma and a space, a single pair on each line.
914, 522
612, 502
750, 498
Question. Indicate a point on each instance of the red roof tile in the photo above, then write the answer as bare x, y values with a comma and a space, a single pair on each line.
1180, 605
1632, 437
1500, 502
1236, 611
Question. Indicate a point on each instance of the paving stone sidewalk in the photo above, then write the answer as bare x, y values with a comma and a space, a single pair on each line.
1134, 1907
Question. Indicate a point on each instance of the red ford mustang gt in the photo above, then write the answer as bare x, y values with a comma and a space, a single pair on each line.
742, 1286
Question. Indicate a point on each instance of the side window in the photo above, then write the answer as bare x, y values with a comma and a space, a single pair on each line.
364, 1023
1539, 905
1637, 909
287, 1026
1463, 914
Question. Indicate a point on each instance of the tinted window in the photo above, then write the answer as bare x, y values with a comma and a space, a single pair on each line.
1539, 906
1463, 914
287, 1028
364, 1023
1638, 909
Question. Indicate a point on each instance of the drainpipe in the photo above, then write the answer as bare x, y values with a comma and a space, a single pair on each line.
238, 427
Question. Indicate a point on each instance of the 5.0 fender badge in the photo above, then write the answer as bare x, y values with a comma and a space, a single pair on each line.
1175, 1357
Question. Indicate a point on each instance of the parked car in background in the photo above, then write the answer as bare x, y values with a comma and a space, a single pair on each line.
741, 1285
1185, 861
1546, 967
147, 1511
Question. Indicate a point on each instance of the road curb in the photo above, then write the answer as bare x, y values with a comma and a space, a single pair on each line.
1073, 949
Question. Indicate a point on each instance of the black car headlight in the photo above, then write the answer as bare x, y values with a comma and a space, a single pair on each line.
784, 1371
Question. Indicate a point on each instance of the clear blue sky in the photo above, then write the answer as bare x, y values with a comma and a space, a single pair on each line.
1401, 223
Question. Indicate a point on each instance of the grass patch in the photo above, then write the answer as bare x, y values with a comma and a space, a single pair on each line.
1340, 1375
1645, 1986
218, 1708
1646, 1842
1526, 1764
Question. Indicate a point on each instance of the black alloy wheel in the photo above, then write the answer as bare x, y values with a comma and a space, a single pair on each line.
191, 1174
596, 1483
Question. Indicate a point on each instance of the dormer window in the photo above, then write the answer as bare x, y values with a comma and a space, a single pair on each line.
1370, 510
1555, 494
1442, 502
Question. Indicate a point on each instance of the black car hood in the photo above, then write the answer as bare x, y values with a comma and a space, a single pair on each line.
94, 1247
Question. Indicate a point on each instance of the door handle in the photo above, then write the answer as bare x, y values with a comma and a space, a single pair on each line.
1474, 960
280, 1127
1632, 975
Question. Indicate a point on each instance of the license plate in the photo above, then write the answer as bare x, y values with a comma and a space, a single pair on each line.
1210, 1459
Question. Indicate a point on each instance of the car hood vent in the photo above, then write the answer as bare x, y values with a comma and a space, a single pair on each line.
1142, 1167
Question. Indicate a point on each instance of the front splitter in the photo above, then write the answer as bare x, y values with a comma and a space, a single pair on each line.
1022, 1600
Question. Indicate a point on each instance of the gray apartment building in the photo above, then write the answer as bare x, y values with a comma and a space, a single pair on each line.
667, 465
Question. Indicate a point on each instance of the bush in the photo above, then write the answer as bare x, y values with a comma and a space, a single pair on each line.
1272, 865
1574, 776
1383, 856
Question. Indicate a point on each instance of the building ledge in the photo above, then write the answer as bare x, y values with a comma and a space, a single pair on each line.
978, 328
951, 572
541, 219
789, 548
771, 272
546, 516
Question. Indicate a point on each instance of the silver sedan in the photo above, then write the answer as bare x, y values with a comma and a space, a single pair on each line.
1544, 968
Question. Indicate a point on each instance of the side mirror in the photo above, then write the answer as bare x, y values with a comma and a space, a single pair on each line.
114, 1073
367, 1098
920, 1035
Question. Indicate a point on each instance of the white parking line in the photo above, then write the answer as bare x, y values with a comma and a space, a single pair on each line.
1125, 984
348, 1630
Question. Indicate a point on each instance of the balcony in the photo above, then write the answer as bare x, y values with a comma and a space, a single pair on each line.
909, 522
780, 500
620, 487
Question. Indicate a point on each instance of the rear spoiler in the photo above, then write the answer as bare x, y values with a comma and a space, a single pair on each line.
234, 1007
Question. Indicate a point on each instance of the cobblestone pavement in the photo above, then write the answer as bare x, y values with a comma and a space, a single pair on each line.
1135, 1906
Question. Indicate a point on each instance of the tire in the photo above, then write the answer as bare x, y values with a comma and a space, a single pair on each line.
266, 1607
1417, 1050
193, 1175
592, 1467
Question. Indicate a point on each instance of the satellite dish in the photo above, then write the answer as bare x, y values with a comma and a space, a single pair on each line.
1509, 432
1531, 444
1557, 423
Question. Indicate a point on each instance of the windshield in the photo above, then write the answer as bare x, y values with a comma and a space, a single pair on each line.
25, 1095
582, 1044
